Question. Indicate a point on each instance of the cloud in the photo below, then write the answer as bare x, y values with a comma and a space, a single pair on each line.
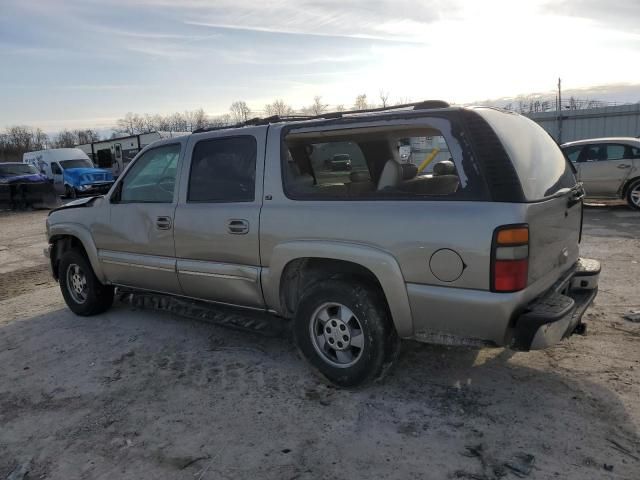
618, 14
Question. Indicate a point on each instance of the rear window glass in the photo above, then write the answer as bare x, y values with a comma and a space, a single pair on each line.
540, 164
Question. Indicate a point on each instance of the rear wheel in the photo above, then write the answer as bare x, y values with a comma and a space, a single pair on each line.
81, 289
343, 329
633, 195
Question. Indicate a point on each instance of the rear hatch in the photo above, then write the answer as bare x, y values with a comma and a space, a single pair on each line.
550, 194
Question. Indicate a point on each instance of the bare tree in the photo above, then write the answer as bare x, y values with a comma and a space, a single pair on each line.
126, 125
340, 108
221, 120
317, 107
384, 98
361, 102
240, 111
279, 108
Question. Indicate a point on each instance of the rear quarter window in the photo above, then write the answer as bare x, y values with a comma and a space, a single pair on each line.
539, 163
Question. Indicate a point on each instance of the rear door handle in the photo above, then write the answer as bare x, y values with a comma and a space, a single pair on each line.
237, 226
163, 223
624, 165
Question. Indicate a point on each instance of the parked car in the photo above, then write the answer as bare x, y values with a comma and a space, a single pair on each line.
608, 167
340, 161
71, 171
22, 185
482, 252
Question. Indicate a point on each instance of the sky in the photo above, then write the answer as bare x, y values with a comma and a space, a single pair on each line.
85, 63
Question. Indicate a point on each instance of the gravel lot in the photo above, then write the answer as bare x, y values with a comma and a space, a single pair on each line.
143, 394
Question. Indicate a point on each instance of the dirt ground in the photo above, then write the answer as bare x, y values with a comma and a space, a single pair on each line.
143, 394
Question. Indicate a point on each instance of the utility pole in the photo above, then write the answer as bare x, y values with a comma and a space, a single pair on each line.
559, 110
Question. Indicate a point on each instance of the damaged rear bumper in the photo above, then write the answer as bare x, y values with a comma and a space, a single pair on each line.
556, 314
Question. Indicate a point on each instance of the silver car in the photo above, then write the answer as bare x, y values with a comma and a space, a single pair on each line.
608, 167
481, 251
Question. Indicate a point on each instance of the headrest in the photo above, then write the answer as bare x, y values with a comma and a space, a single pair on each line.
444, 167
359, 176
409, 171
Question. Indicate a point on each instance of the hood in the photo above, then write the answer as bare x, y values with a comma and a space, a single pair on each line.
29, 178
79, 203
87, 175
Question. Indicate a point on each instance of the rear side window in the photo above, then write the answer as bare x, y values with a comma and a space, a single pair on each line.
539, 163
377, 163
223, 170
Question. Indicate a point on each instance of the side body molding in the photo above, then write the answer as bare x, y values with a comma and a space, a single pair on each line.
84, 235
383, 265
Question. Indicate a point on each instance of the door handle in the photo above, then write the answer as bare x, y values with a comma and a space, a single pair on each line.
163, 223
237, 226
624, 165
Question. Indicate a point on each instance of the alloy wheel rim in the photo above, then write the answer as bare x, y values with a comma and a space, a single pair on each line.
336, 334
635, 195
77, 283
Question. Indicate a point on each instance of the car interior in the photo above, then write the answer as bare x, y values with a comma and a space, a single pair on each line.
378, 168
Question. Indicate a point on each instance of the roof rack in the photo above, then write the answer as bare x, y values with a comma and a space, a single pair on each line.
424, 105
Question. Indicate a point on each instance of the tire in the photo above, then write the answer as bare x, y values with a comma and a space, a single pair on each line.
341, 306
70, 192
633, 195
81, 289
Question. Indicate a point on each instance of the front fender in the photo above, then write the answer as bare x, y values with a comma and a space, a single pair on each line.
84, 236
383, 265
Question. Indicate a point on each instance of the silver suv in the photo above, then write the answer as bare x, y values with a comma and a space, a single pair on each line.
481, 251
608, 167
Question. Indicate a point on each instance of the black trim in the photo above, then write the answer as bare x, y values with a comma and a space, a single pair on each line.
499, 171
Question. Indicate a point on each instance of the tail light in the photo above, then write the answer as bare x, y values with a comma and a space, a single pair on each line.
510, 258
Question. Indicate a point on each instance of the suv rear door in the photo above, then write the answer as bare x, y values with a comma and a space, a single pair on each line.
604, 167
217, 219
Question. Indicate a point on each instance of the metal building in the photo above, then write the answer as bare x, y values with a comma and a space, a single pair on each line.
616, 121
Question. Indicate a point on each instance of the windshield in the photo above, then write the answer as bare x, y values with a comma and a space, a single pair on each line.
17, 169
79, 163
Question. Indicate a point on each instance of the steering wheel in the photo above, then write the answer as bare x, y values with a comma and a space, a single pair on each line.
167, 184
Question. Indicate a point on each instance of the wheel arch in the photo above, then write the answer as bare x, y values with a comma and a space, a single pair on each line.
295, 265
628, 184
64, 237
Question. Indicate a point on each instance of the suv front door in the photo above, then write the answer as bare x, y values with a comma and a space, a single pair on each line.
217, 218
137, 250
603, 168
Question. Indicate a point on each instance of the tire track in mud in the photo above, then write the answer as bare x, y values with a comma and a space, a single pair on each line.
25, 280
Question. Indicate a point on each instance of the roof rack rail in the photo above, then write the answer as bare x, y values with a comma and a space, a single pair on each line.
424, 105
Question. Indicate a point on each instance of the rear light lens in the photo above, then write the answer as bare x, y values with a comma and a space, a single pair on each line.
510, 258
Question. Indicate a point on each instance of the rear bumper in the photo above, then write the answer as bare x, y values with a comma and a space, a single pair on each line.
556, 314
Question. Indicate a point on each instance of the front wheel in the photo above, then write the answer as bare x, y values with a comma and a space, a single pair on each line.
633, 195
81, 289
70, 192
343, 329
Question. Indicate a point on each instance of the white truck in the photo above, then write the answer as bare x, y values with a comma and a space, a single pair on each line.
115, 153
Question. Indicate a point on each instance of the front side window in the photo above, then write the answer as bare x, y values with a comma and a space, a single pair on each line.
55, 169
223, 170
394, 162
152, 177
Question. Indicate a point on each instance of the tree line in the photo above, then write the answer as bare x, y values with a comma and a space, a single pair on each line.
16, 140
